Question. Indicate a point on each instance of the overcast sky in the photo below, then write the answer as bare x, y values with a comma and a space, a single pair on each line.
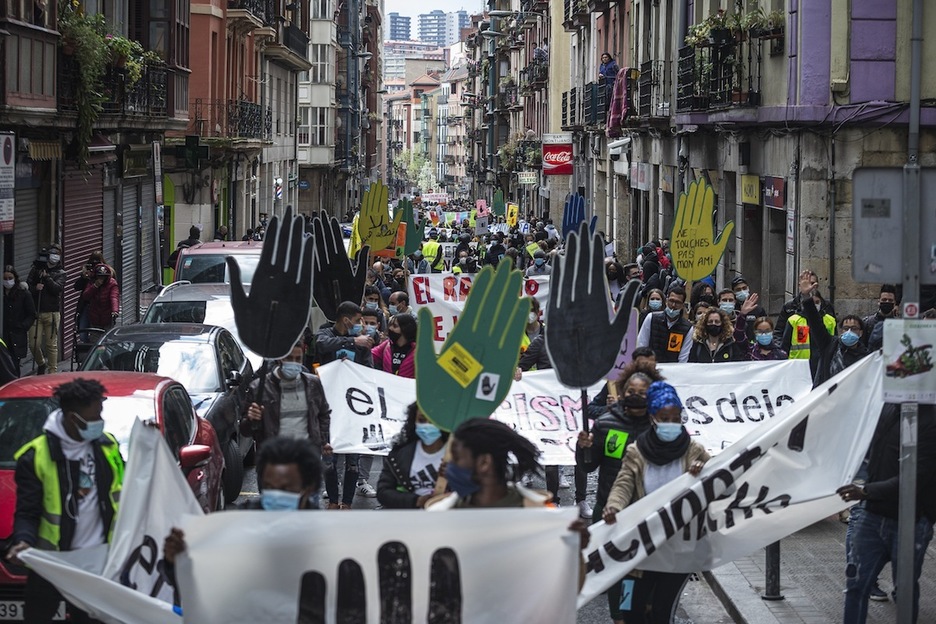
415, 7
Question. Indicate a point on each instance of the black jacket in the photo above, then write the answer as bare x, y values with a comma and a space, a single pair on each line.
791, 307
536, 354
836, 357
394, 489
883, 486
49, 299
613, 432
29, 490
318, 414
174, 256
19, 313
328, 342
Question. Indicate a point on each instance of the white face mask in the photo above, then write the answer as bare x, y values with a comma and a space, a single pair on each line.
9, 283
54, 258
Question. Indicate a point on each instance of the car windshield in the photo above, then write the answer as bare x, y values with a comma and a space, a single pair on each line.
193, 365
21, 420
211, 268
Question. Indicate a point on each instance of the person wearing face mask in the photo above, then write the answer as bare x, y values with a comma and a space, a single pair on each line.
101, 298
46, 282
466, 264
661, 453
715, 339
654, 302
742, 292
667, 332
873, 334
702, 291
370, 324
19, 313
610, 436
68, 483
839, 352
396, 355
765, 346
809, 327
416, 264
399, 304
411, 468
344, 339
539, 265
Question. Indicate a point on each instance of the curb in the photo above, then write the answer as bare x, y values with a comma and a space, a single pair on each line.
740, 599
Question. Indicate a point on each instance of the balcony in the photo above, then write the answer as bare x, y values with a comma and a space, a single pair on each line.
147, 99
530, 153
718, 76
572, 118
534, 77
235, 120
598, 6
290, 48
595, 105
247, 15
575, 14
653, 100
508, 98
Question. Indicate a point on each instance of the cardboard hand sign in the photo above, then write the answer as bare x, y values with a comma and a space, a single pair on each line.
374, 225
336, 279
574, 213
581, 341
472, 374
695, 249
414, 229
271, 318
498, 207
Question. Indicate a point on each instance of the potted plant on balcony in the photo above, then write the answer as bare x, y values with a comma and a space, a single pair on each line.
775, 24
83, 35
719, 28
506, 82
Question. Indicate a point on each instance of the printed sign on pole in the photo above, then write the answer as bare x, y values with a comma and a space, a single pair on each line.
513, 214
557, 154
909, 376
7, 182
696, 250
527, 177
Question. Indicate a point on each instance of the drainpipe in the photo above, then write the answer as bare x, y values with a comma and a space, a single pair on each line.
832, 198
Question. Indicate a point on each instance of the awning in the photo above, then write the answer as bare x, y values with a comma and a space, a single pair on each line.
45, 150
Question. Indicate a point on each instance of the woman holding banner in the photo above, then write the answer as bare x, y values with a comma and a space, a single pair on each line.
611, 434
411, 468
662, 453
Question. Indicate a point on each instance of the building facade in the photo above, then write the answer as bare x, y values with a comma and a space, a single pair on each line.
398, 27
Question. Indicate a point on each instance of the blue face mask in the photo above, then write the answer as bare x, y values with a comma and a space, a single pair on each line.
850, 338
667, 432
355, 329
764, 339
741, 295
673, 314
371, 331
290, 370
460, 481
726, 307
539, 261
279, 500
428, 433
91, 430
655, 305
370, 305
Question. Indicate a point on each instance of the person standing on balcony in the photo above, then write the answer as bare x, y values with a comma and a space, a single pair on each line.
607, 72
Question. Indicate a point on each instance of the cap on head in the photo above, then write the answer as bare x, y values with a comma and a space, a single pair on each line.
738, 280
433, 233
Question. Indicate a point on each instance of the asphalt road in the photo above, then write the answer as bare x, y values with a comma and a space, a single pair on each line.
698, 604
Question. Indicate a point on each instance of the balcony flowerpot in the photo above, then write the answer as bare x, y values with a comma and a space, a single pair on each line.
720, 36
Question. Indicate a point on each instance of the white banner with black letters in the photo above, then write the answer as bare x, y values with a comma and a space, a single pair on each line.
771, 483
125, 582
465, 565
723, 403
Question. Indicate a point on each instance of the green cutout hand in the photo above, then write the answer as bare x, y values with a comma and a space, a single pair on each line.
498, 206
414, 229
374, 223
472, 375
695, 249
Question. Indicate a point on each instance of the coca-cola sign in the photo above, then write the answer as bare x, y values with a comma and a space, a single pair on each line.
557, 154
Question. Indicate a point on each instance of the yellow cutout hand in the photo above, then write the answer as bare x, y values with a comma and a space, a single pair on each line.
695, 249
374, 223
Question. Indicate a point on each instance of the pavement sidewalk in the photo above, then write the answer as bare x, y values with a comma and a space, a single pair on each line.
812, 579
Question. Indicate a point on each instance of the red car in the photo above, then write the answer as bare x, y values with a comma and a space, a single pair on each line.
26, 403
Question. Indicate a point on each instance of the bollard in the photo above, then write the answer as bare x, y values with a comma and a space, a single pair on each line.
772, 590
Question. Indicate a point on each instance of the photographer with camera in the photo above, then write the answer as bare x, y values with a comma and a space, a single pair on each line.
101, 298
46, 282
87, 277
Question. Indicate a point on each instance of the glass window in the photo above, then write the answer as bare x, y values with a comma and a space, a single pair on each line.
211, 269
194, 365
178, 419
232, 358
320, 55
21, 420
321, 9
303, 135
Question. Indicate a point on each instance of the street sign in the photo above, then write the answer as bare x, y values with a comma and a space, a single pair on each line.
909, 352
911, 310
7, 181
303, 185
877, 225
527, 177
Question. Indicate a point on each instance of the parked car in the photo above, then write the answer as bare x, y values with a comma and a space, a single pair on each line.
206, 360
181, 302
204, 263
25, 405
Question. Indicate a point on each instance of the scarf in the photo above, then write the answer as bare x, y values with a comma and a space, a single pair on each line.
661, 453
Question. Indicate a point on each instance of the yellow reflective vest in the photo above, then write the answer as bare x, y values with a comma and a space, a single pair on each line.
432, 252
799, 340
47, 472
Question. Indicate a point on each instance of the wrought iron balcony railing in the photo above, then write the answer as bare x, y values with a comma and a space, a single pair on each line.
232, 119
261, 9
653, 98
146, 98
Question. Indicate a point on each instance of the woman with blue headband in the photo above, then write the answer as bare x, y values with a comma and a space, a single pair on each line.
660, 454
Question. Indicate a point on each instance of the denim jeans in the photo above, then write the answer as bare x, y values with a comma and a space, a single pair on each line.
349, 481
874, 543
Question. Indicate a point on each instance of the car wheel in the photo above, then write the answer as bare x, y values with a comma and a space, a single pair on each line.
233, 477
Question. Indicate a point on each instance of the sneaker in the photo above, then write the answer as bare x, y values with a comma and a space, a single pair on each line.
366, 489
333, 506
564, 483
877, 594
844, 516
585, 510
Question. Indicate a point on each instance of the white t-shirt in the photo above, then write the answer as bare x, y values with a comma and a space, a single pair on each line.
83, 506
425, 470
656, 477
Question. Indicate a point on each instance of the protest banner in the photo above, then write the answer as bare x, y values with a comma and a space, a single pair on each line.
462, 566
776, 480
124, 581
724, 402
513, 214
445, 296
695, 249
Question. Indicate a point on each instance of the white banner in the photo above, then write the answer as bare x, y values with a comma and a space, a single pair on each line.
462, 565
774, 481
723, 403
124, 582
445, 295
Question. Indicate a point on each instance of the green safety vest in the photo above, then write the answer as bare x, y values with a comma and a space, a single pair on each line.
47, 472
799, 341
432, 251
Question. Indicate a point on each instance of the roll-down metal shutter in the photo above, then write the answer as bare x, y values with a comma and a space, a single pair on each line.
82, 223
25, 230
148, 247
129, 255
109, 234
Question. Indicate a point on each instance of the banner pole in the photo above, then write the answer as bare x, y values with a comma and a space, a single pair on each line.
772, 574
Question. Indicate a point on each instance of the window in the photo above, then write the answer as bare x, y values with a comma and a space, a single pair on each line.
29, 11
178, 419
303, 135
319, 123
321, 9
320, 55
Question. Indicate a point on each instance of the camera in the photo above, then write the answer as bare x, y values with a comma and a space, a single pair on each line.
43, 258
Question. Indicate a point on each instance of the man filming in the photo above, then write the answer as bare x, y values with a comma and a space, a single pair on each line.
46, 282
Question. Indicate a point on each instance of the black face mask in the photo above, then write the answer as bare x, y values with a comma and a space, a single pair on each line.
886, 308
634, 401
393, 336
713, 330
709, 299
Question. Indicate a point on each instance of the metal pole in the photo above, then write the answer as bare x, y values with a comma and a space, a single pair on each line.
911, 292
772, 564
